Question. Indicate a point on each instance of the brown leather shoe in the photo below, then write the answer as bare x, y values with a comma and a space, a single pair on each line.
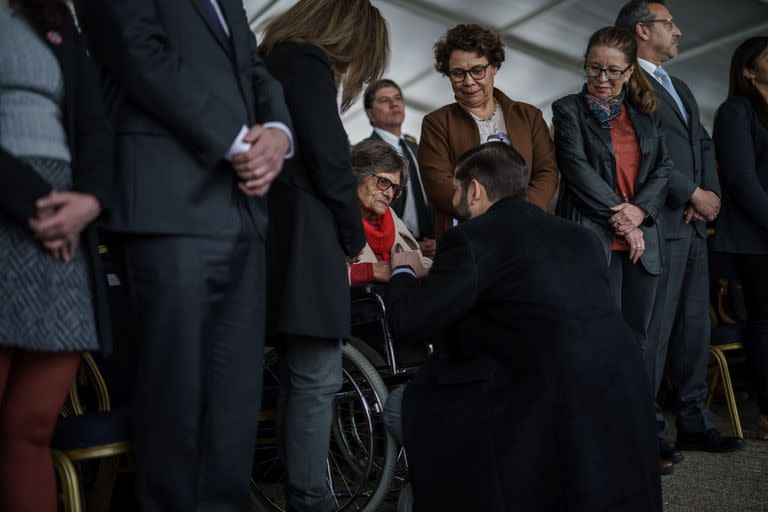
666, 466
762, 427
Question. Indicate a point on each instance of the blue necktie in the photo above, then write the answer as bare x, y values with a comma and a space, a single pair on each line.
215, 22
666, 82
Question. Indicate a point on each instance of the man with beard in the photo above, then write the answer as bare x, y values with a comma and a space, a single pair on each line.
530, 402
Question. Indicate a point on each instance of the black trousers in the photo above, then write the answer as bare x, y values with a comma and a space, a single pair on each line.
633, 290
200, 305
680, 333
753, 270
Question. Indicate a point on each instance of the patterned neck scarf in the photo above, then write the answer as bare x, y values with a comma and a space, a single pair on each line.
604, 110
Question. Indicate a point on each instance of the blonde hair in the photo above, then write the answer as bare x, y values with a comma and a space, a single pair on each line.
639, 90
352, 34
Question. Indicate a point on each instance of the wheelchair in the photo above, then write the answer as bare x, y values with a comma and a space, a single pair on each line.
364, 464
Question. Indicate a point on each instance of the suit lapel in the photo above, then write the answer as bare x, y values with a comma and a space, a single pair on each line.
681, 91
662, 92
62, 44
209, 23
231, 15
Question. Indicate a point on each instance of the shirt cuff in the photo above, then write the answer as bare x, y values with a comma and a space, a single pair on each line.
239, 145
403, 270
282, 126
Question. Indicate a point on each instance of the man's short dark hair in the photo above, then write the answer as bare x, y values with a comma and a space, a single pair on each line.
497, 166
634, 12
370, 92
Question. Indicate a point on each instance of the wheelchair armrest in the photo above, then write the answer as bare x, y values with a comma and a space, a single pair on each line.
361, 291
367, 290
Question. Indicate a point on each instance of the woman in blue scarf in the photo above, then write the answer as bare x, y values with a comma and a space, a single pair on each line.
615, 169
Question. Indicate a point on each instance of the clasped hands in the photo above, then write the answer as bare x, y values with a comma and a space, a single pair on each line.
60, 218
704, 206
626, 222
258, 167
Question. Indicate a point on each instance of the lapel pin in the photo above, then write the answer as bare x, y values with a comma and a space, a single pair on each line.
54, 37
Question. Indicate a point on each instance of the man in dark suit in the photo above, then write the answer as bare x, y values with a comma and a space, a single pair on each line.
680, 323
202, 130
385, 107
537, 398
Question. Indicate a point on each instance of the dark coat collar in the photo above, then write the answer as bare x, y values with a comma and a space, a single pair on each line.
640, 121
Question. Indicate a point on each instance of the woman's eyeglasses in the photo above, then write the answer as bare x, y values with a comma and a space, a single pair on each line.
610, 73
476, 72
385, 184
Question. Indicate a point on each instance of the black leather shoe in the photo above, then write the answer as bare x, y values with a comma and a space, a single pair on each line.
709, 441
667, 452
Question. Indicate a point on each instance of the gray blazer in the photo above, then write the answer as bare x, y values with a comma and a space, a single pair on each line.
185, 95
692, 153
588, 169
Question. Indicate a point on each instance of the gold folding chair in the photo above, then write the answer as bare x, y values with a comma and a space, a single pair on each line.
87, 435
725, 338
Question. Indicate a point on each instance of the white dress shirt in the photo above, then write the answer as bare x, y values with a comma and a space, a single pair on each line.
410, 216
650, 67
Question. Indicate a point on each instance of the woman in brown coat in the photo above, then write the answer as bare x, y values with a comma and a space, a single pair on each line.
470, 56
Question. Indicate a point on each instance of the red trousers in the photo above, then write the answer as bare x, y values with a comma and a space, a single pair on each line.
33, 387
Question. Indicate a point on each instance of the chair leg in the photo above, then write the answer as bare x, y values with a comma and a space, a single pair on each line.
104, 484
731, 399
70, 487
714, 380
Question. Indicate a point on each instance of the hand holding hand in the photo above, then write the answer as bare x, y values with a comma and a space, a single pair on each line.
259, 166
706, 203
63, 215
63, 248
428, 247
410, 258
382, 271
627, 217
692, 215
636, 244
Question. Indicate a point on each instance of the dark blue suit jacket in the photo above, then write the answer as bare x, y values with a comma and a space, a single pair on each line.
741, 140
692, 153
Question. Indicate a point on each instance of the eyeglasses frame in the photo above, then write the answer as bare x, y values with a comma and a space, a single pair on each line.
605, 70
398, 189
464, 73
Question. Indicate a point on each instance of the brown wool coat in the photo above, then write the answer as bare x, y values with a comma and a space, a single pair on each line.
449, 131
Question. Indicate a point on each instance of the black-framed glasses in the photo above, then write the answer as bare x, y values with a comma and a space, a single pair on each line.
385, 184
477, 72
610, 73
669, 22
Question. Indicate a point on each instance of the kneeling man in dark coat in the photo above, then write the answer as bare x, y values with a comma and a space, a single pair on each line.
537, 398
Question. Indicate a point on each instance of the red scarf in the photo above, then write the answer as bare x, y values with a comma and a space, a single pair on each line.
380, 234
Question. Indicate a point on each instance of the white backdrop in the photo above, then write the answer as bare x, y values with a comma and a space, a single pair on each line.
545, 41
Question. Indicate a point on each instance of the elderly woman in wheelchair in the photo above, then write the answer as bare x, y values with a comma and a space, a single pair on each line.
381, 174
364, 465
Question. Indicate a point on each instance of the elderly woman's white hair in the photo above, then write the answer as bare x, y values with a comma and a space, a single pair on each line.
373, 157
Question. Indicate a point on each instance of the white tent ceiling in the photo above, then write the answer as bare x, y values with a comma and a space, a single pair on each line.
544, 41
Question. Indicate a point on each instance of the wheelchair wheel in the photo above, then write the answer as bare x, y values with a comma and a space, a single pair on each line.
362, 457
